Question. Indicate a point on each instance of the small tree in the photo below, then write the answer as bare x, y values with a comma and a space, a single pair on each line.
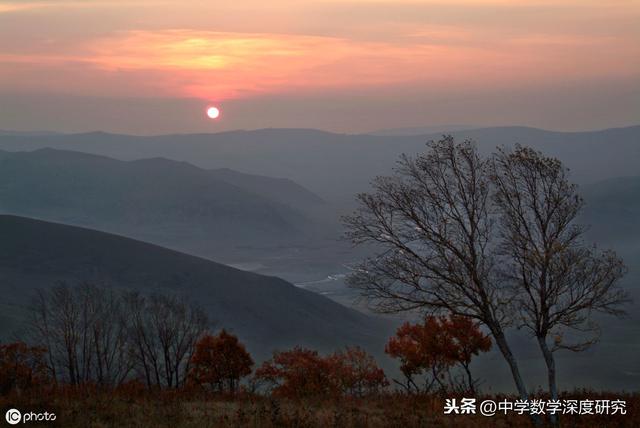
356, 372
420, 353
300, 373
22, 367
468, 341
297, 373
220, 362
433, 348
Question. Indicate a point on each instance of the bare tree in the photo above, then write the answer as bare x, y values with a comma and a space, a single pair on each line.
432, 225
57, 323
84, 330
144, 342
112, 349
164, 331
560, 280
101, 335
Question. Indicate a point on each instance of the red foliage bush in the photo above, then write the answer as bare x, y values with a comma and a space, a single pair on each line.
219, 362
296, 373
434, 347
301, 373
356, 372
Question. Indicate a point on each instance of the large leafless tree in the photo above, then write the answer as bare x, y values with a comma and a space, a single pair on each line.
432, 226
492, 239
560, 279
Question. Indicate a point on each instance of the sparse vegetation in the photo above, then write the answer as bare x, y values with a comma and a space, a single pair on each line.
128, 406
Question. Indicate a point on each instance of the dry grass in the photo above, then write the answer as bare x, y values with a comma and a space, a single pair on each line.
91, 408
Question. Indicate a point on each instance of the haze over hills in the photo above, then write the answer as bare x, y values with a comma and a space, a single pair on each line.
341, 165
35, 254
29, 133
158, 200
336, 166
421, 130
613, 207
283, 190
612, 212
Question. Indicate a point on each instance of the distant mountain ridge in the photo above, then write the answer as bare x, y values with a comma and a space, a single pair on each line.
421, 130
159, 200
336, 166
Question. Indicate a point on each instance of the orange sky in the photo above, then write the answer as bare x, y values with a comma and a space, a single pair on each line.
249, 50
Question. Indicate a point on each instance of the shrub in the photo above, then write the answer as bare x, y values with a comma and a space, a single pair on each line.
220, 362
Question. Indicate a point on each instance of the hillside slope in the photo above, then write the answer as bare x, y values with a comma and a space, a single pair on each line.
266, 312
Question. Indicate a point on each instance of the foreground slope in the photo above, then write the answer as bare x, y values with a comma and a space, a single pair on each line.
266, 312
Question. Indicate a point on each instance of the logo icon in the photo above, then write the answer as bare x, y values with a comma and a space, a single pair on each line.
13, 416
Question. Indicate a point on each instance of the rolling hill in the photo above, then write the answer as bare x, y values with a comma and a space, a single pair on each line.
283, 190
157, 200
266, 312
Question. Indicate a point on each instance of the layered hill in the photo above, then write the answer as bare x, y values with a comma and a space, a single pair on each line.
266, 312
336, 166
158, 200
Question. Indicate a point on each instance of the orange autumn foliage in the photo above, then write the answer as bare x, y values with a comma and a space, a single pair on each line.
219, 362
22, 367
432, 348
300, 373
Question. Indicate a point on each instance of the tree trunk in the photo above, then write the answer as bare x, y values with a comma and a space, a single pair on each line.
549, 359
472, 388
503, 345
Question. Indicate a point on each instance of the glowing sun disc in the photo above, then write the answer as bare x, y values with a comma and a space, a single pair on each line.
213, 112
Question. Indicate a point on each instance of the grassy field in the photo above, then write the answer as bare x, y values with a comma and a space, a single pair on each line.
91, 408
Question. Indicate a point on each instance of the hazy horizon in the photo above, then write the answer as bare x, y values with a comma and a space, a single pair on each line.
402, 131
153, 66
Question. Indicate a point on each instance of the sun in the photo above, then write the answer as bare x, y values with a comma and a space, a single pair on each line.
213, 112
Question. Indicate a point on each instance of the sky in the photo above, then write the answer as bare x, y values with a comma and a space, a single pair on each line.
154, 66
